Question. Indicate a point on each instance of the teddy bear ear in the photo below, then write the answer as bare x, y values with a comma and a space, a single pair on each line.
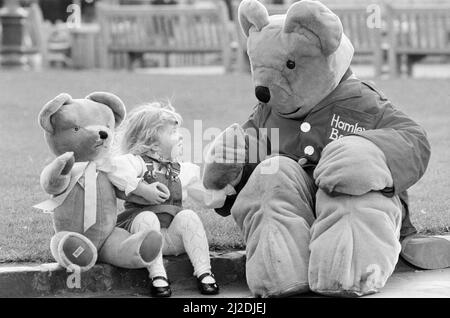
252, 13
319, 20
50, 108
113, 102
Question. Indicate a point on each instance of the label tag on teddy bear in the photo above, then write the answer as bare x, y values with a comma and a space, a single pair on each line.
78, 252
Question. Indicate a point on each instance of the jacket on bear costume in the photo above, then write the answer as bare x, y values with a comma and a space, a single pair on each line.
326, 214
84, 203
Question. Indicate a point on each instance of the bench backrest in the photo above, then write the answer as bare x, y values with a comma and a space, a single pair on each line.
354, 20
359, 27
419, 29
163, 28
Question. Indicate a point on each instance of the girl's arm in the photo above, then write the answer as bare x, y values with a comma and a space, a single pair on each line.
154, 193
127, 174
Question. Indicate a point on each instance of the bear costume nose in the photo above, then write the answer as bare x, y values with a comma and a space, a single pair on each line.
103, 134
262, 94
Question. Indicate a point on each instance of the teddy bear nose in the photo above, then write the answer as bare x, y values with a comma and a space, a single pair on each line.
103, 134
262, 94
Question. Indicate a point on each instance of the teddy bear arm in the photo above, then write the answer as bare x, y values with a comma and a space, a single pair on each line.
55, 177
52, 180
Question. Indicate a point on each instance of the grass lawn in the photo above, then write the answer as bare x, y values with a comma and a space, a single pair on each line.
218, 101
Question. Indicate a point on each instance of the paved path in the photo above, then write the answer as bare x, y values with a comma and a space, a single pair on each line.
417, 284
423, 284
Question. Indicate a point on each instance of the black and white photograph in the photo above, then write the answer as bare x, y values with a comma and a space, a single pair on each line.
225, 155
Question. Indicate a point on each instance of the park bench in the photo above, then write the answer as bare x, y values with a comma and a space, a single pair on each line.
366, 40
416, 32
127, 32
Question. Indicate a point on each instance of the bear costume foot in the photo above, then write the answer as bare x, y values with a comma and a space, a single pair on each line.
426, 252
274, 213
354, 243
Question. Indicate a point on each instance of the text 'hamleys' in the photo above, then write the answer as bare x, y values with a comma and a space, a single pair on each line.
340, 128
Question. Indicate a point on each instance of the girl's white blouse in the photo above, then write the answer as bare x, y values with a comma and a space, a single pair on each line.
128, 170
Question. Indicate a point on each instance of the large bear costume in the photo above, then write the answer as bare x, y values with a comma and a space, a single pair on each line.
329, 212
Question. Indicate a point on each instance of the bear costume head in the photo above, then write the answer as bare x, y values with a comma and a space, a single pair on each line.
296, 59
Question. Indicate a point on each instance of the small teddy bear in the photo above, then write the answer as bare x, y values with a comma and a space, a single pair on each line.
84, 204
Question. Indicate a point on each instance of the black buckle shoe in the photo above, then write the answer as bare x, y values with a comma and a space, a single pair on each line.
207, 289
161, 291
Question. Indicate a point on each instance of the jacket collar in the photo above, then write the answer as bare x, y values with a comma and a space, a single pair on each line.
348, 87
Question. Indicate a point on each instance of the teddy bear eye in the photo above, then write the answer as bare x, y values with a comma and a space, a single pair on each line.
290, 64
76, 128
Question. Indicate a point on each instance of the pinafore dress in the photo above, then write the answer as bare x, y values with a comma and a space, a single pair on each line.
165, 211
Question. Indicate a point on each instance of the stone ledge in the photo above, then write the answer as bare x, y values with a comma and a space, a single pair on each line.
37, 280
50, 279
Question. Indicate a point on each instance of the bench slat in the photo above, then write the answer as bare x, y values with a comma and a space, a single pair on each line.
185, 30
417, 31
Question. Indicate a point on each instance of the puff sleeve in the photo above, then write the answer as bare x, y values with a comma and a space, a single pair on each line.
126, 173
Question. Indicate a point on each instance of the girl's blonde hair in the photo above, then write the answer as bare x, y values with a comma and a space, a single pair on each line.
143, 125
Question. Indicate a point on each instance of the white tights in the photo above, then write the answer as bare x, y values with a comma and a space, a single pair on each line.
185, 234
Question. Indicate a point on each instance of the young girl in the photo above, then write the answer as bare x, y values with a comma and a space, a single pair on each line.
155, 184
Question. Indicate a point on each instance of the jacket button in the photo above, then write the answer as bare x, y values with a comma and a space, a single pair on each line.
305, 127
309, 150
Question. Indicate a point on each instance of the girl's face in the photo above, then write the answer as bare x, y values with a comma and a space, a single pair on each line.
170, 143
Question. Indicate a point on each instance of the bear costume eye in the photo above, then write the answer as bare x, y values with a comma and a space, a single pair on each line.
290, 64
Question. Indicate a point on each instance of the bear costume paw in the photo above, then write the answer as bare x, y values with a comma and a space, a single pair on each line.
352, 165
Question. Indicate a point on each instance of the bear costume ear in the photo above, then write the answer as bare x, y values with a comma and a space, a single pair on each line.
252, 13
113, 102
50, 108
319, 20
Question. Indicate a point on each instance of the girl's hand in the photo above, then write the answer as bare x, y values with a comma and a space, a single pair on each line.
154, 193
